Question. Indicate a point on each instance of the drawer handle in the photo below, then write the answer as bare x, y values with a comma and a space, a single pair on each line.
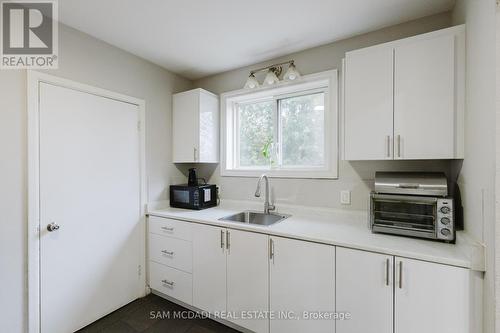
168, 283
168, 228
168, 253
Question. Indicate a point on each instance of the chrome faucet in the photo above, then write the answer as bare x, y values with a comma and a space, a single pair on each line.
267, 205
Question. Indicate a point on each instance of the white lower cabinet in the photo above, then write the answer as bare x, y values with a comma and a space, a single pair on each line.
252, 277
302, 284
431, 298
209, 268
248, 279
231, 275
387, 294
365, 290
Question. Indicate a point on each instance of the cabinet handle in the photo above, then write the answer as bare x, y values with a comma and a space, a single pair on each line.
194, 153
168, 253
388, 146
228, 240
399, 145
400, 275
222, 239
271, 249
168, 283
168, 228
387, 263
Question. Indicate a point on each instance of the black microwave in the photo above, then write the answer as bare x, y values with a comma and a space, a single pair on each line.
193, 197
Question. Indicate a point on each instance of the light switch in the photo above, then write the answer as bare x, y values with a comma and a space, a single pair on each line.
345, 197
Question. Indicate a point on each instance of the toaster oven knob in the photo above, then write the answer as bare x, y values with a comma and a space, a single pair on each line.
445, 210
445, 220
445, 232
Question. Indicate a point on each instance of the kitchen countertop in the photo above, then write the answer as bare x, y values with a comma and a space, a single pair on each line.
347, 228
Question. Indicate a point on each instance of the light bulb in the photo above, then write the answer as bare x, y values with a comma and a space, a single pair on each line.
292, 73
252, 82
271, 78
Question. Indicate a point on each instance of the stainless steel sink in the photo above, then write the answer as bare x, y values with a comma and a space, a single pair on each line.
252, 217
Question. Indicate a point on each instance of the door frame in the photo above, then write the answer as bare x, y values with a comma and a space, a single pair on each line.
34, 79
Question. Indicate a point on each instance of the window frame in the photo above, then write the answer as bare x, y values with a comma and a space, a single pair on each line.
326, 82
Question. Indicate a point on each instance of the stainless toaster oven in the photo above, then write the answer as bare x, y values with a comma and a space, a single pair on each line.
412, 204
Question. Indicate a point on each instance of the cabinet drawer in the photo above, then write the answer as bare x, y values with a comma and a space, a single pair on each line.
172, 252
171, 282
169, 227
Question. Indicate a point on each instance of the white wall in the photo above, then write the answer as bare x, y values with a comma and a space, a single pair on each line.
84, 59
355, 176
477, 175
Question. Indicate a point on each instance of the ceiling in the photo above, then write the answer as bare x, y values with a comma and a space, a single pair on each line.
197, 38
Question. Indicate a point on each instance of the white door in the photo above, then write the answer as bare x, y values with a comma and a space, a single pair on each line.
209, 268
248, 278
430, 298
365, 290
369, 104
424, 99
302, 279
90, 188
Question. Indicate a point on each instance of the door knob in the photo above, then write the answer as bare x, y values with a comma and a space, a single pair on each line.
52, 226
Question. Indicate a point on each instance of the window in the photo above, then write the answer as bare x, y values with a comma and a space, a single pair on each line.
289, 130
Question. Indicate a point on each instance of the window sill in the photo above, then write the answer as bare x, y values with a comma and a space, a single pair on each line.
304, 174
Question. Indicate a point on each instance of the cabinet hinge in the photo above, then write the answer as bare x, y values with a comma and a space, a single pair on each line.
139, 270
139, 126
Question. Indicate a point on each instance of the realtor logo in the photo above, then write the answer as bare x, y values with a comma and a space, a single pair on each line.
28, 34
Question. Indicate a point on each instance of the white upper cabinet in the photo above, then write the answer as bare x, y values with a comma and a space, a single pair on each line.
368, 104
405, 99
195, 127
424, 99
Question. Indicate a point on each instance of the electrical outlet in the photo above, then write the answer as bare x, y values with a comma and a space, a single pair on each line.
345, 197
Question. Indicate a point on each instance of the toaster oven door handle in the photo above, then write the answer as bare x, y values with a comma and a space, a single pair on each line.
403, 198
409, 186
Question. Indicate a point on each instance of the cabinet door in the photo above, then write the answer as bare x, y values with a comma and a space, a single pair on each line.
302, 279
365, 290
248, 278
368, 122
209, 128
424, 99
185, 123
209, 268
431, 298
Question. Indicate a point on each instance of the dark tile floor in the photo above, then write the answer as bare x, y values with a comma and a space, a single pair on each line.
135, 317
